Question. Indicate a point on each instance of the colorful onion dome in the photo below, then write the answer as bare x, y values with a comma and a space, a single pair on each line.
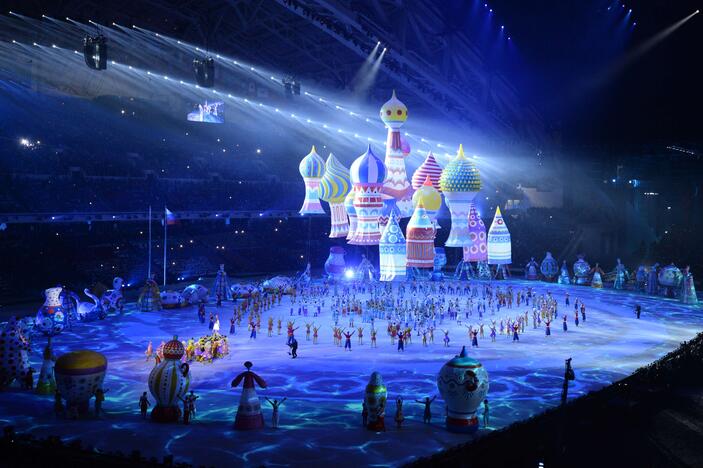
420, 218
392, 234
335, 184
349, 204
312, 165
368, 169
429, 167
430, 197
174, 349
80, 362
393, 111
460, 175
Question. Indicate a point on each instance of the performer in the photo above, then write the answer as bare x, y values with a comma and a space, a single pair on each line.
274, 416
149, 351
144, 405
399, 418
99, 398
216, 326
446, 338
516, 337
231, 326
485, 413
474, 338
565, 326
293, 348
347, 343
373, 338
59, 409
249, 414
364, 413
548, 329
427, 415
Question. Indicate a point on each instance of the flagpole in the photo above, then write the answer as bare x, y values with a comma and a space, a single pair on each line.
148, 276
165, 238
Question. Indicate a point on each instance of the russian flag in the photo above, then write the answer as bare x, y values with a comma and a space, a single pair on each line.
170, 217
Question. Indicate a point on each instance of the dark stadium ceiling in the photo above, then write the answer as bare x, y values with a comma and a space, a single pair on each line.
431, 63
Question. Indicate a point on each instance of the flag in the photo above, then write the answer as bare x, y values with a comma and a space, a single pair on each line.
170, 217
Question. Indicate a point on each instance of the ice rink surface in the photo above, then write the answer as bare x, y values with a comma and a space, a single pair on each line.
321, 420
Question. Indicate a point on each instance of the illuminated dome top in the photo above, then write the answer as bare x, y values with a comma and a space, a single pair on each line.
460, 175
428, 195
174, 349
335, 184
368, 169
312, 165
394, 111
429, 167
463, 361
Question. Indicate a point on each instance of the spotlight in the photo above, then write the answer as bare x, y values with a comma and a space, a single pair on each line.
349, 273
204, 70
95, 52
291, 86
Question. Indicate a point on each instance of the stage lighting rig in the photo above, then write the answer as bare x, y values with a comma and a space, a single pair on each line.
204, 70
95, 51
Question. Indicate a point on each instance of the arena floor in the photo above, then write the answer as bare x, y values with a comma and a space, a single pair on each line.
321, 421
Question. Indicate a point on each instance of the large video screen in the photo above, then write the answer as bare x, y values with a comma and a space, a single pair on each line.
210, 112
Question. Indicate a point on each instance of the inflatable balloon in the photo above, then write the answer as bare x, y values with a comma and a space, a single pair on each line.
463, 384
460, 182
420, 239
334, 188
194, 294
367, 176
335, 265
221, 287
431, 199
396, 185
14, 353
51, 319
428, 168
549, 267
478, 250
499, 245
171, 299
581, 270
249, 415
391, 249
311, 169
168, 382
375, 399
351, 214
78, 375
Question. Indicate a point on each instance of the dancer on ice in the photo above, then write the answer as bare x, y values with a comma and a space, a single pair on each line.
274, 416
427, 415
399, 418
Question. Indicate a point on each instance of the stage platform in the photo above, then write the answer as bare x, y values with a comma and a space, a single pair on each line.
321, 419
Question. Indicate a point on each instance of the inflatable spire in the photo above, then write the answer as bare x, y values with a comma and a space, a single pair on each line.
396, 184
311, 167
499, 250
351, 213
460, 181
392, 250
478, 250
428, 168
431, 199
420, 239
334, 187
367, 176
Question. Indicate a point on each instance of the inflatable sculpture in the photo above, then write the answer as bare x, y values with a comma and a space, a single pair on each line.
69, 302
221, 287
375, 399
149, 297
335, 265
194, 294
367, 176
431, 199
92, 310
420, 239
168, 382
564, 274
396, 184
621, 276
78, 375
597, 274
641, 278
581, 271
463, 384
531, 270
549, 267
51, 319
171, 300
351, 214
392, 252
669, 280
477, 251
311, 168
688, 289
460, 182
14, 353
334, 188
365, 270
652, 279
499, 246
46, 383
113, 299
428, 168
249, 414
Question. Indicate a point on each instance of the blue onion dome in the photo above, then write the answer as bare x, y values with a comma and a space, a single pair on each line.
368, 169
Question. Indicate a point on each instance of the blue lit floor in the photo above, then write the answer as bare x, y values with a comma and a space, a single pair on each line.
320, 421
